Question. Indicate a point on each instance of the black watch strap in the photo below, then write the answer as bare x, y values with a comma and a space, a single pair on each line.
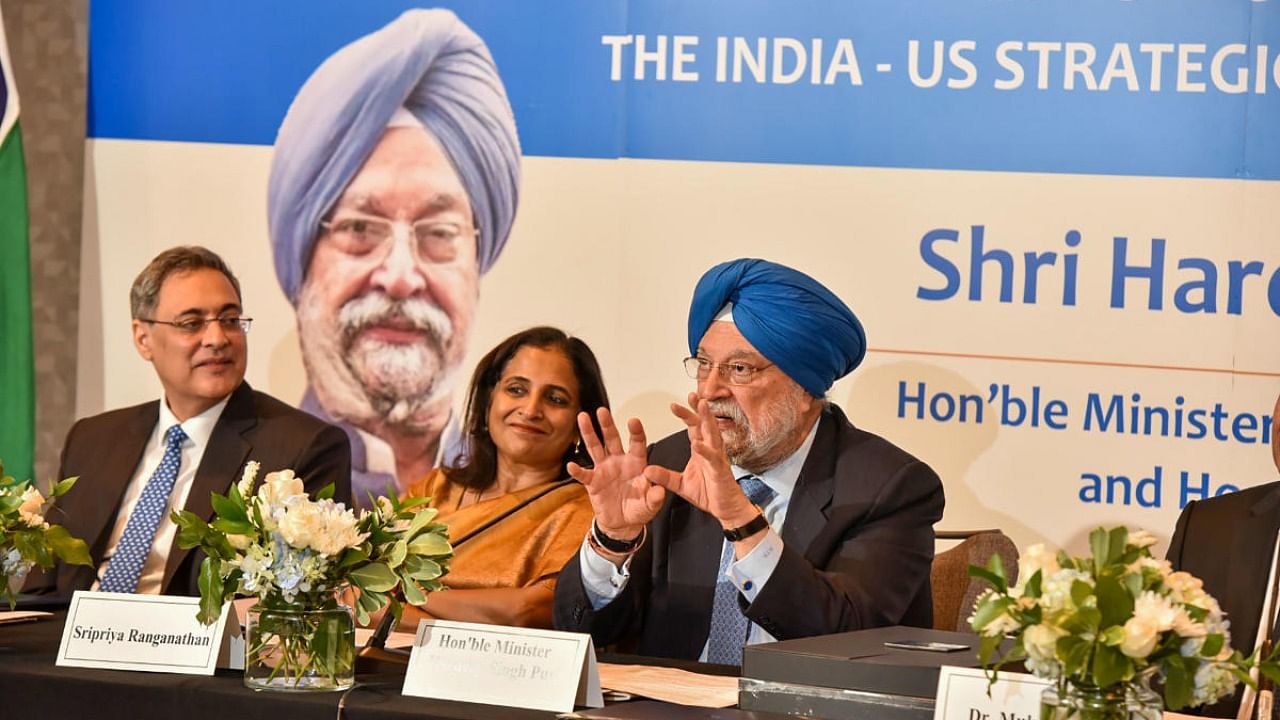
743, 532
614, 545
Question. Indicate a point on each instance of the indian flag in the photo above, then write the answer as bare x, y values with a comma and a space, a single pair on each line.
17, 379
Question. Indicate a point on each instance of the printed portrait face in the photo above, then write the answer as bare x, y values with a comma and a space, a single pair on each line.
390, 292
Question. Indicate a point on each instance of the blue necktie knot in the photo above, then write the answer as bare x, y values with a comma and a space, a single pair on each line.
757, 492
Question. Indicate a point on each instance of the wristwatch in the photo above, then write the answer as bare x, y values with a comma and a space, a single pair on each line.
743, 532
614, 545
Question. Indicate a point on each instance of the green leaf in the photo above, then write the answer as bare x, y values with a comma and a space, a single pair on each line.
987, 647
72, 551
420, 520
325, 493
1080, 592
212, 592
1084, 621
1032, 587
420, 568
376, 577
1212, 645
1113, 635
357, 554
408, 504
1177, 684
1116, 544
1110, 666
989, 610
234, 527
30, 545
1073, 652
412, 593
430, 544
397, 554
995, 580
60, 488
1100, 548
1133, 583
233, 494
228, 509
1115, 603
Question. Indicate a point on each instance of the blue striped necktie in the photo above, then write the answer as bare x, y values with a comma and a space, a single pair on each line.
125, 566
729, 626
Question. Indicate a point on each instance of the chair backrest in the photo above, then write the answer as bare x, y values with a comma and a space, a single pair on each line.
954, 592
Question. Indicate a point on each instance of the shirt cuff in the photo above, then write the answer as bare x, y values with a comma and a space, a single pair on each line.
751, 572
601, 579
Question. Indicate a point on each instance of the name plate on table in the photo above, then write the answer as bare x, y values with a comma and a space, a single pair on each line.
962, 695
499, 665
151, 633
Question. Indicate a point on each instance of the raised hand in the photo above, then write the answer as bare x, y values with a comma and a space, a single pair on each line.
707, 481
623, 500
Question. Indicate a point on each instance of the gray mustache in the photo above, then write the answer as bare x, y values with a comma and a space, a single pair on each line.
376, 308
728, 408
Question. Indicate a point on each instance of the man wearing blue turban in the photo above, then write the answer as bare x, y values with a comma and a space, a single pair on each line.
818, 527
393, 188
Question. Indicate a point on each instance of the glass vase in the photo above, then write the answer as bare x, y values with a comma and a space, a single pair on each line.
1079, 701
299, 650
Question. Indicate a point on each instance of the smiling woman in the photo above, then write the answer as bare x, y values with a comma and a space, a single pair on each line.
514, 516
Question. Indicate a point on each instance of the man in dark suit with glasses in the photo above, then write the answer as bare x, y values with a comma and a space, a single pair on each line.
137, 464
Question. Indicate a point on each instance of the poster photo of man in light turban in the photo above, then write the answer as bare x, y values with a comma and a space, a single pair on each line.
392, 190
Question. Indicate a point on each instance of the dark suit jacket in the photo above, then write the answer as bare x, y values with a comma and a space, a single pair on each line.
1227, 542
858, 545
104, 451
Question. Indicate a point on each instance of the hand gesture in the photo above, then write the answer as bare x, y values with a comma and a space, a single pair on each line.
707, 481
623, 501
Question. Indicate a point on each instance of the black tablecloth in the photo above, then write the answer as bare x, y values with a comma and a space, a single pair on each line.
31, 686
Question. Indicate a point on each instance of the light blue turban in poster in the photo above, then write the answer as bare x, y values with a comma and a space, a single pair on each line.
792, 319
433, 65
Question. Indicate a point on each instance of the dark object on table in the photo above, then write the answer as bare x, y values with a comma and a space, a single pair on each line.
850, 674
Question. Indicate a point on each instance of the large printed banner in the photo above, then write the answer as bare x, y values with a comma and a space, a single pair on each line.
1058, 220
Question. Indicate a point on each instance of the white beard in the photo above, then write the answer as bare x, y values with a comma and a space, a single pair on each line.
365, 381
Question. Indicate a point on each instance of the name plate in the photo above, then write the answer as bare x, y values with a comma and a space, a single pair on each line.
962, 695
151, 633
499, 665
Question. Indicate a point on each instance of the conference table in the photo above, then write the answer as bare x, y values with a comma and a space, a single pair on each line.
31, 686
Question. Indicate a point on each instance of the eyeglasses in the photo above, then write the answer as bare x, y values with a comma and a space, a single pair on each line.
432, 240
230, 324
736, 373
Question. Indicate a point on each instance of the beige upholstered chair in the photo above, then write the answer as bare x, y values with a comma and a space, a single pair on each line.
954, 592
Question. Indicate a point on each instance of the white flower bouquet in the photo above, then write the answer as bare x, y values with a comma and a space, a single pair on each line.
27, 540
1112, 619
295, 553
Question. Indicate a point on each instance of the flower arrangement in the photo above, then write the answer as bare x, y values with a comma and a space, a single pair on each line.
1111, 619
27, 539
295, 553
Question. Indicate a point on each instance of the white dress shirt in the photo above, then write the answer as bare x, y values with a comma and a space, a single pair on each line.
198, 430
603, 581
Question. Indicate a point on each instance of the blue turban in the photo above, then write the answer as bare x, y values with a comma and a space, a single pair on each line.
433, 65
795, 322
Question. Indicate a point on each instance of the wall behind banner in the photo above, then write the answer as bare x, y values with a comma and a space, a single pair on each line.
1070, 282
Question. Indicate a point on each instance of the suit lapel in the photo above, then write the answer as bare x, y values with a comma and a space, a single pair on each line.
219, 466
119, 462
814, 487
1256, 539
